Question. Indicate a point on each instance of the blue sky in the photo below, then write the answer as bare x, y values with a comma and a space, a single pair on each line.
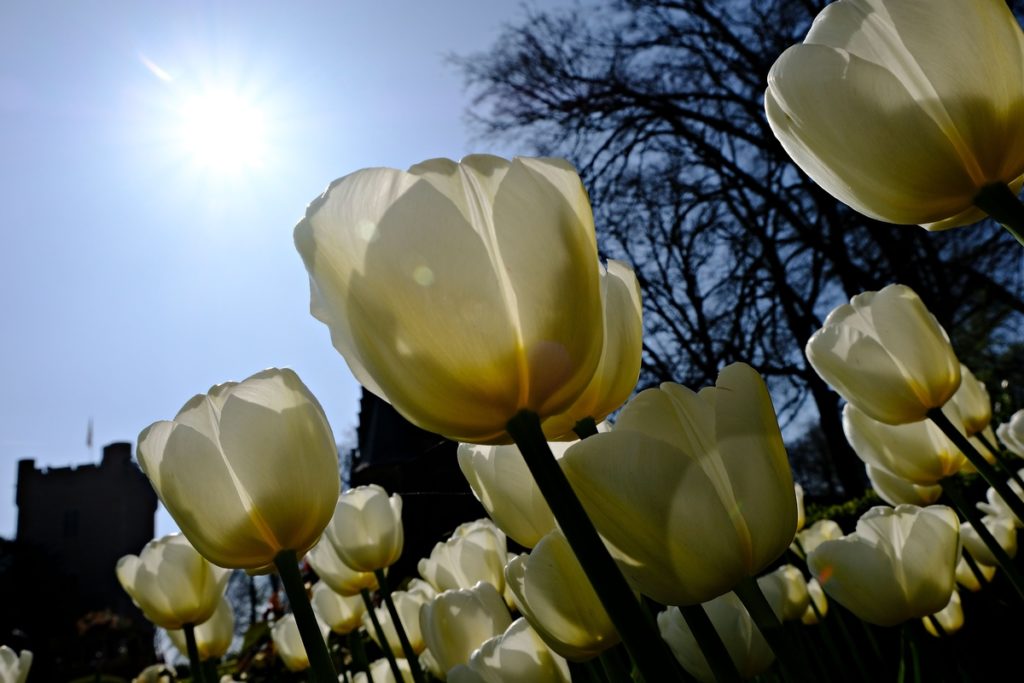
137, 266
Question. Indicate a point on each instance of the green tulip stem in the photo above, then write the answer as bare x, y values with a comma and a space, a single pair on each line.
403, 638
320, 663
984, 469
987, 444
381, 638
710, 643
749, 593
951, 488
194, 665
640, 635
585, 427
1000, 203
210, 670
355, 646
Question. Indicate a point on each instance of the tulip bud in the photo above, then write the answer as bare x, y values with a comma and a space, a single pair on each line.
896, 490
408, 604
519, 654
904, 110
1012, 433
469, 556
950, 618
746, 646
899, 564
966, 577
380, 672
1001, 528
342, 579
366, 529
213, 636
502, 483
817, 597
246, 471
788, 588
459, 621
813, 536
154, 673
972, 402
982, 448
461, 293
171, 583
14, 667
918, 452
552, 592
676, 455
887, 355
288, 643
343, 614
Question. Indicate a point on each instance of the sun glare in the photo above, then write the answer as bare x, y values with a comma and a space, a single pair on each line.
223, 132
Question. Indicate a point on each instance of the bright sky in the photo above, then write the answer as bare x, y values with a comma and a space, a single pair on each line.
154, 157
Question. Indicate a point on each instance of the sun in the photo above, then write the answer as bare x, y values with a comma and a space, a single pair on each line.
222, 131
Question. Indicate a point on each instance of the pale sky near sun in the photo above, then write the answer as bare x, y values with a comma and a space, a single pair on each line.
154, 157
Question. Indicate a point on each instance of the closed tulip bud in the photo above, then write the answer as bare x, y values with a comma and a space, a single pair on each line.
13, 666
816, 534
899, 564
904, 110
366, 529
896, 490
476, 554
676, 455
343, 614
817, 607
552, 592
342, 579
457, 622
990, 457
171, 583
288, 644
503, 484
973, 402
787, 587
518, 654
918, 452
746, 646
619, 369
408, 604
462, 293
950, 618
248, 470
213, 636
380, 672
1001, 528
966, 577
887, 355
1012, 433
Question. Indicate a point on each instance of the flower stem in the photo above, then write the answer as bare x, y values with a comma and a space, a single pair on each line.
381, 638
951, 488
585, 427
984, 469
710, 643
403, 638
1000, 203
194, 664
316, 649
794, 666
355, 645
636, 628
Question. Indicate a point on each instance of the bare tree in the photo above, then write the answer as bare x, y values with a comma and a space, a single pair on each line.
659, 103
